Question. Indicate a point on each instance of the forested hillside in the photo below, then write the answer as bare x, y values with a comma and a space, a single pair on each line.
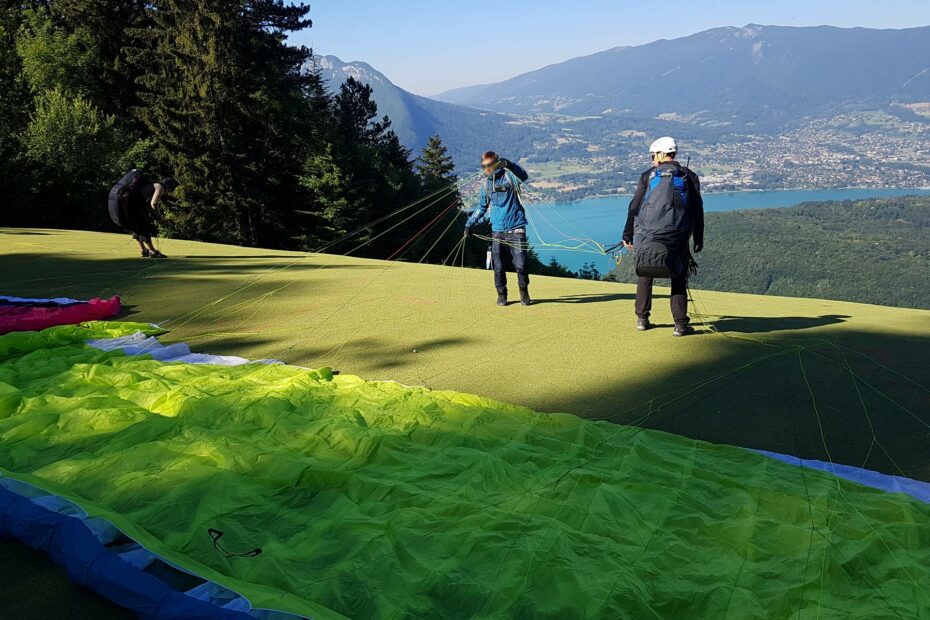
210, 93
466, 132
873, 251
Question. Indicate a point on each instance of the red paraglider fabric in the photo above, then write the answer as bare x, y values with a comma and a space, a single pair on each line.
21, 317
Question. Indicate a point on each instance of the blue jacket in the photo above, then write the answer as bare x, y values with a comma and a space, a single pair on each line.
499, 194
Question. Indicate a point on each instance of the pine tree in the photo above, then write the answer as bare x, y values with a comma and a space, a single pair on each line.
362, 174
225, 100
355, 113
436, 171
589, 271
105, 23
435, 166
16, 175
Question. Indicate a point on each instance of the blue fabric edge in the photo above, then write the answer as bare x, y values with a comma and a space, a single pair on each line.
866, 477
69, 543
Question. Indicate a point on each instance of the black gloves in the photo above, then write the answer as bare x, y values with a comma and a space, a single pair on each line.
467, 232
698, 247
503, 163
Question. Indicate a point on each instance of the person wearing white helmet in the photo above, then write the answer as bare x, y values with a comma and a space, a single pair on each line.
665, 146
673, 214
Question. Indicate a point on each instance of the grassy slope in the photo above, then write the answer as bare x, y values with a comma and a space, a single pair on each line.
576, 351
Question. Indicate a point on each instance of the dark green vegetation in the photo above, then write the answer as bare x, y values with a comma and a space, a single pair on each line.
211, 93
268, 150
873, 251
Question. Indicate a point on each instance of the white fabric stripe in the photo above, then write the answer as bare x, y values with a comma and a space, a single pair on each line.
140, 344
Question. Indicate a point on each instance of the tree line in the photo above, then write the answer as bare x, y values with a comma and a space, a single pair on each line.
211, 93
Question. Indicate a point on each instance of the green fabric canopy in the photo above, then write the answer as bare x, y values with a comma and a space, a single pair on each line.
373, 499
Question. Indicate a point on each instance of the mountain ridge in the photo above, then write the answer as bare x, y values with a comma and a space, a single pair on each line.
748, 102
780, 72
465, 131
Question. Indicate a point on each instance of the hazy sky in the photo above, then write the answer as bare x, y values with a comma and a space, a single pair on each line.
431, 46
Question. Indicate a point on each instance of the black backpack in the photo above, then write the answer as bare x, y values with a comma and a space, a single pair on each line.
118, 202
663, 224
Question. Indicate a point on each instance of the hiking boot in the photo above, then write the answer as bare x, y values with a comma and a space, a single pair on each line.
501, 298
157, 254
683, 330
642, 323
146, 253
525, 297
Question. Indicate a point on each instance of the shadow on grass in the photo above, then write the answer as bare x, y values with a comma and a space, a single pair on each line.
766, 324
32, 586
126, 311
284, 257
51, 275
808, 386
851, 397
586, 299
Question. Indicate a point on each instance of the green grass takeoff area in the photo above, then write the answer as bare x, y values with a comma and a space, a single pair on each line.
621, 482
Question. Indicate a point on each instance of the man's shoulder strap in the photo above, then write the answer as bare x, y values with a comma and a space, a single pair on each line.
517, 185
514, 179
672, 166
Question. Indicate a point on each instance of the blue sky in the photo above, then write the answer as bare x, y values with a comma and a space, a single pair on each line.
429, 47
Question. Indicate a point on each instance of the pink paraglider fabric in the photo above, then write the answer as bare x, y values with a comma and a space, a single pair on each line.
35, 315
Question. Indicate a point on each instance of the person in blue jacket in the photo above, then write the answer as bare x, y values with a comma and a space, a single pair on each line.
500, 201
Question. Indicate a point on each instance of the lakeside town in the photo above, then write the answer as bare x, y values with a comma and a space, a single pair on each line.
873, 149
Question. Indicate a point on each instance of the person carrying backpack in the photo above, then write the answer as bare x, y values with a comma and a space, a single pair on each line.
666, 211
132, 205
500, 201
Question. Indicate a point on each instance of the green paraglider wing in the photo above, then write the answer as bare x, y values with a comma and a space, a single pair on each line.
330, 496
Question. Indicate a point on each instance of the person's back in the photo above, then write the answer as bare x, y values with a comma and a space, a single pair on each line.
139, 208
666, 211
143, 201
143, 193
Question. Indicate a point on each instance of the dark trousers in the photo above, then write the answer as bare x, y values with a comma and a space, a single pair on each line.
512, 243
679, 301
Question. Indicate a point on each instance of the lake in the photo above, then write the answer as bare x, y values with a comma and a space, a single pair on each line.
602, 219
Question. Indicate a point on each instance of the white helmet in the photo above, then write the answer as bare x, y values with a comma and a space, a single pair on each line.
664, 145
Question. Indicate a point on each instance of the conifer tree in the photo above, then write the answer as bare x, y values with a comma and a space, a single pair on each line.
436, 170
225, 100
16, 175
435, 166
105, 23
364, 172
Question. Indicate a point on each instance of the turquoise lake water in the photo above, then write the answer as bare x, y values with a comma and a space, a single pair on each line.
602, 219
